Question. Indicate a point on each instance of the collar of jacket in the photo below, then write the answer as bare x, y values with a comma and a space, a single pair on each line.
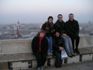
60, 22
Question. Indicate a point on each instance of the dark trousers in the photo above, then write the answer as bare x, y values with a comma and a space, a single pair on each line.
41, 59
75, 42
58, 60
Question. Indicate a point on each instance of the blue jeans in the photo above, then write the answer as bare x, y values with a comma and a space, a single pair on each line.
68, 45
50, 42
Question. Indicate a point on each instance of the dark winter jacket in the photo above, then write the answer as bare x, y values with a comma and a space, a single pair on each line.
72, 28
57, 42
39, 48
48, 28
59, 26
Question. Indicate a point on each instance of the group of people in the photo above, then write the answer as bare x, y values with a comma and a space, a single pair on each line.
55, 37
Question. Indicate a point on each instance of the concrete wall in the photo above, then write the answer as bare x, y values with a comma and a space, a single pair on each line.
14, 46
86, 41
3, 66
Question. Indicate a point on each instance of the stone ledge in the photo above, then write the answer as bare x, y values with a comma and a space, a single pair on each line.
29, 56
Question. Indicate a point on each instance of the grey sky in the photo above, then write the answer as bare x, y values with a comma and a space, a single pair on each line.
37, 11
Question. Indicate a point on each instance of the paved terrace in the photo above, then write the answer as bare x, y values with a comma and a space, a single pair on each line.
79, 66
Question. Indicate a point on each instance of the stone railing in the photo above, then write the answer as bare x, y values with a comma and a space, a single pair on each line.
14, 51
13, 46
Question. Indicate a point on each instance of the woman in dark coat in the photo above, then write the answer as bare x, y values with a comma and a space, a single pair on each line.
39, 48
48, 27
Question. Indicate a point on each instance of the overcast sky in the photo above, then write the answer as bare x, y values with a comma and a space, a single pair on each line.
37, 11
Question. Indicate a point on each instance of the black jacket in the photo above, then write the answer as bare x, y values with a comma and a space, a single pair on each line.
59, 26
48, 28
72, 28
35, 46
57, 42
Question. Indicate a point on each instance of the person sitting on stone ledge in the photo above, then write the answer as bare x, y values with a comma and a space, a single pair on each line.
40, 48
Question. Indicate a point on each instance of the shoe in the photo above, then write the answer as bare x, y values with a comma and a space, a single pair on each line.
73, 54
65, 61
70, 55
48, 64
58, 65
77, 51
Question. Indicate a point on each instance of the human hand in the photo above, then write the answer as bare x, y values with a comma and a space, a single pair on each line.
64, 34
61, 48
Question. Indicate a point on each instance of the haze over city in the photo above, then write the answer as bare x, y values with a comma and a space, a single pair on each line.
37, 11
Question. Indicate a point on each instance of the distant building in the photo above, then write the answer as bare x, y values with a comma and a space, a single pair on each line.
18, 30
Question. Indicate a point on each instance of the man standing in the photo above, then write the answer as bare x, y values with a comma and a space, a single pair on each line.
72, 30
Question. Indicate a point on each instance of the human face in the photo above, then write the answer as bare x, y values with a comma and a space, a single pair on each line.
42, 34
60, 18
71, 17
50, 20
57, 34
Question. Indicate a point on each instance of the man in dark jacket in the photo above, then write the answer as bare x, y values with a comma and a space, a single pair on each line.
57, 48
60, 24
40, 48
72, 30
